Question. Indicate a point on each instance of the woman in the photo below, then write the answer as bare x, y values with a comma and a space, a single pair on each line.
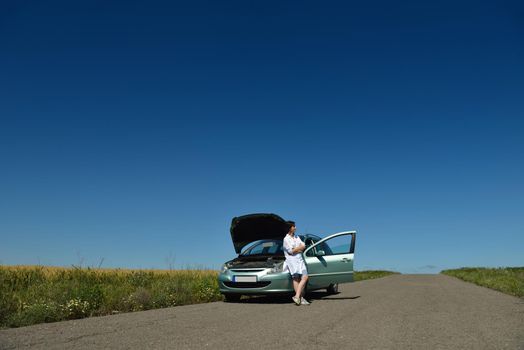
293, 248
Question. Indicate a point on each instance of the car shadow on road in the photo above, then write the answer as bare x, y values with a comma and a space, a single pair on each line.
328, 296
263, 299
339, 298
285, 299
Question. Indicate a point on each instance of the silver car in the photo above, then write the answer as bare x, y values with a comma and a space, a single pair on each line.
258, 268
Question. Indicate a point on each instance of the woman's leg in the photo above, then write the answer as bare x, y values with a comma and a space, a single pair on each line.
302, 286
296, 283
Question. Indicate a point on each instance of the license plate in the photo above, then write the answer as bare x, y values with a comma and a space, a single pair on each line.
244, 278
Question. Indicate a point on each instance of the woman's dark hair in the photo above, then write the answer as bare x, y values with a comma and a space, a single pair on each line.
290, 224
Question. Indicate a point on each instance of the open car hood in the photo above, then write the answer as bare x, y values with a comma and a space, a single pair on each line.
253, 227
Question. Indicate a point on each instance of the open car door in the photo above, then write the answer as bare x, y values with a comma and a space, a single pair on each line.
330, 260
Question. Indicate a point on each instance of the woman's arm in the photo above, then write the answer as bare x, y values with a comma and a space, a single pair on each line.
287, 246
299, 249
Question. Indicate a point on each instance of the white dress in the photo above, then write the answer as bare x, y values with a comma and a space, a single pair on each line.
294, 262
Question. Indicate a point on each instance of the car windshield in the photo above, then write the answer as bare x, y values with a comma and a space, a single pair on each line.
265, 247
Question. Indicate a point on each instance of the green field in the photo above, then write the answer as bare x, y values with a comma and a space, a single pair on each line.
509, 280
371, 274
35, 294
30, 295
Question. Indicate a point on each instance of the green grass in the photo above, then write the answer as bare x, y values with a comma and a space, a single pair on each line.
509, 280
30, 295
368, 275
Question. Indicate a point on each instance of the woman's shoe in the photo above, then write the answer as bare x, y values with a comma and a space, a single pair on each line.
296, 300
304, 301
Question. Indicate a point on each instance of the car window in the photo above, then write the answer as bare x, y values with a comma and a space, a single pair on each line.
337, 245
309, 241
264, 248
312, 252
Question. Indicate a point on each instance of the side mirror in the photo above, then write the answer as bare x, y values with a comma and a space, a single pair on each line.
320, 253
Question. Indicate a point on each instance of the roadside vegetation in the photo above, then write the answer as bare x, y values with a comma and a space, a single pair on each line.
36, 294
30, 295
371, 274
509, 280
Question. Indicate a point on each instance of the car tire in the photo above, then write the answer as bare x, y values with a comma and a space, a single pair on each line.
231, 298
333, 288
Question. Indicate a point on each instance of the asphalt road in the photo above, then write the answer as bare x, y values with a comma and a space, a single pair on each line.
396, 312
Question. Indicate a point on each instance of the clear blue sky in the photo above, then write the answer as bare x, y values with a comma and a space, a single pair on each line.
135, 131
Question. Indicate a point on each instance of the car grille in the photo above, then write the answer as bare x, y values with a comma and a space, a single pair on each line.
247, 284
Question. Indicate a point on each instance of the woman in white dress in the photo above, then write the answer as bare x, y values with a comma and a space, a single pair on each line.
293, 248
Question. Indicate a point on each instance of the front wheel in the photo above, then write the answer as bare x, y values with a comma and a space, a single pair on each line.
231, 298
333, 288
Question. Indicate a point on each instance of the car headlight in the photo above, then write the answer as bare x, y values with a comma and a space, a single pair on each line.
277, 268
224, 268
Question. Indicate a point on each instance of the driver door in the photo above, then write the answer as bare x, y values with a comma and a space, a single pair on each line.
330, 260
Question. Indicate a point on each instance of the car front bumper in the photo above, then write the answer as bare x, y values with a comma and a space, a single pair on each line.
266, 283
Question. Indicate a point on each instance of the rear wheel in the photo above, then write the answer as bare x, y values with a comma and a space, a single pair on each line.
231, 298
333, 288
